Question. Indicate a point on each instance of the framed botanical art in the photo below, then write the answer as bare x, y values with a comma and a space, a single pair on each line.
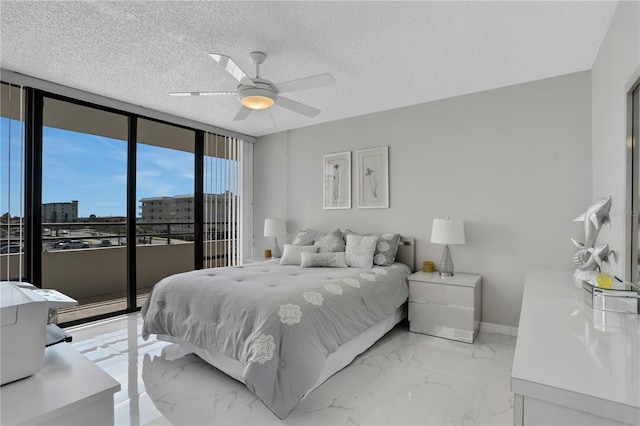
373, 178
337, 180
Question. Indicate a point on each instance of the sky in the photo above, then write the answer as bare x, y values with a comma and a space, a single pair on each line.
93, 170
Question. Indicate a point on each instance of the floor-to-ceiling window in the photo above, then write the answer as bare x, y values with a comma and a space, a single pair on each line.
115, 201
165, 197
84, 188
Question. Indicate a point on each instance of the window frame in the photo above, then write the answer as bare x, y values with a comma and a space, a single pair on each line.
632, 240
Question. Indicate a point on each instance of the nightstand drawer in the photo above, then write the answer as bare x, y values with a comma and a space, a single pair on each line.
426, 313
443, 321
442, 294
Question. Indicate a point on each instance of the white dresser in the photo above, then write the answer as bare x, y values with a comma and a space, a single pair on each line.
573, 365
68, 390
445, 307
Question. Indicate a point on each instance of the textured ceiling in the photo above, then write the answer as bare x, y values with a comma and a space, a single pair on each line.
383, 55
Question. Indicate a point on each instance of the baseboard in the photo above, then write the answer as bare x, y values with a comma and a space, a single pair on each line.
488, 327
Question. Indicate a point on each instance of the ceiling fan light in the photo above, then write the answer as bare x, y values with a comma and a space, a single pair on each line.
257, 97
257, 102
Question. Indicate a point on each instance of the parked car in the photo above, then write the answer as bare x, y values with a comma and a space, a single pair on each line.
73, 245
105, 243
11, 248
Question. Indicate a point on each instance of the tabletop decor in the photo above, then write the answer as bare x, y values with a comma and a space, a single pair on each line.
590, 258
275, 228
447, 231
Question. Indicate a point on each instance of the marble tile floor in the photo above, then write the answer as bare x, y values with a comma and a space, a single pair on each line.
404, 379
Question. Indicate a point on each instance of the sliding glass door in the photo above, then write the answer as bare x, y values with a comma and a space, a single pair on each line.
84, 188
102, 204
165, 195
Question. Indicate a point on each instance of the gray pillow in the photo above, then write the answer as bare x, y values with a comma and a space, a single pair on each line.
330, 243
306, 237
386, 247
330, 260
360, 249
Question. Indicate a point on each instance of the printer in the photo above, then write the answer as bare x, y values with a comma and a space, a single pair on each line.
24, 309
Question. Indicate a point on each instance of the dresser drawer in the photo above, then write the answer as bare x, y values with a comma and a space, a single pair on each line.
441, 294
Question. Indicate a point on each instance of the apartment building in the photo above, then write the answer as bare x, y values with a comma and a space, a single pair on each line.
180, 209
62, 212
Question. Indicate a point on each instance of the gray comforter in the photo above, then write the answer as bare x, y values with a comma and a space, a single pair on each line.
281, 322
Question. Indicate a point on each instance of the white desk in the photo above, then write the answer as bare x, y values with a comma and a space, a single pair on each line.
573, 364
68, 390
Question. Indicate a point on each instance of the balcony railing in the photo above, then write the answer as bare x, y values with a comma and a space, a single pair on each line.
96, 273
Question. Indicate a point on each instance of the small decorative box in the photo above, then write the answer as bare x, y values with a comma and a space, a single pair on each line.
615, 300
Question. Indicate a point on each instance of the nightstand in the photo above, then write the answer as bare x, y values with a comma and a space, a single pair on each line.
445, 307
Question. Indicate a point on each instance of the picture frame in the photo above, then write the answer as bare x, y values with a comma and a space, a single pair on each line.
336, 172
373, 178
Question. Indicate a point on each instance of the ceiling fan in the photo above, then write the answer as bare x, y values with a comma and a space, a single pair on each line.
258, 93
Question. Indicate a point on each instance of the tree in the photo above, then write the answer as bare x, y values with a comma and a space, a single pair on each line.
5, 218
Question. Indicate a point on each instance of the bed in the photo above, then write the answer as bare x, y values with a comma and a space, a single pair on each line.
282, 330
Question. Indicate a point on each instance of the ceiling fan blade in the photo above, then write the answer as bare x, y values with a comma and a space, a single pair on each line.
306, 83
297, 107
242, 114
202, 93
232, 68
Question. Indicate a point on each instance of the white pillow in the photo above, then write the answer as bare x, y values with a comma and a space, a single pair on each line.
329, 260
360, 250
291, 255
386, 249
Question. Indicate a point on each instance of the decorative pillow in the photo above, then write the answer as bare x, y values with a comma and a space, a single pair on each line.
329, 260
360, 250
306, 237
330, 243
386, 248
291, 255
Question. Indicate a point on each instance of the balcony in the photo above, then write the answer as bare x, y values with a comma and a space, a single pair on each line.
95, 273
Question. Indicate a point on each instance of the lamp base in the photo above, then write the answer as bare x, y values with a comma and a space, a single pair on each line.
446, 264
276, 252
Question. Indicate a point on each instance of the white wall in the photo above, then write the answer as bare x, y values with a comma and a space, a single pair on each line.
616, 68
514, 163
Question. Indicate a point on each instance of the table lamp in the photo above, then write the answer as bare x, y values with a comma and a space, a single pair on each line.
447, 231
274, 228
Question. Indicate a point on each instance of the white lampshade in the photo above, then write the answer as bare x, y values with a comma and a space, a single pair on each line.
275, 227
447, 231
